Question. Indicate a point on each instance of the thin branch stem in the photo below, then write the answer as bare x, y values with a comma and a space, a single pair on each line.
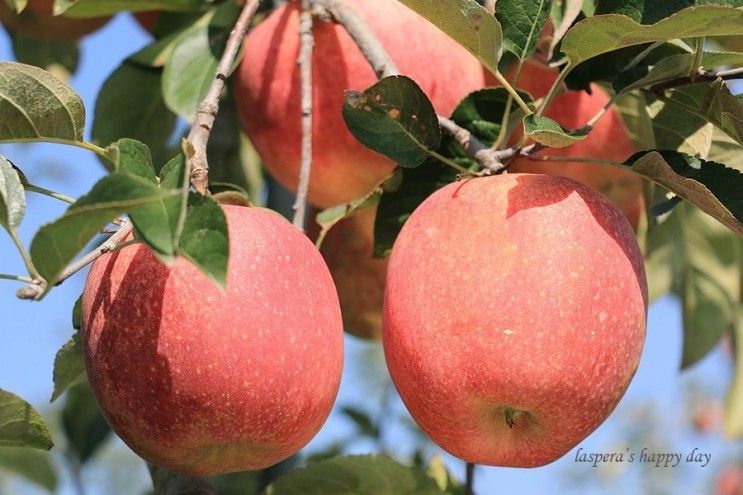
77, 144
48, 192
554, 90
514, 94
469, 483
475, 148
579, 159
34, 290
698, 54
702, 76
383, 66
17, 278
307, 44
207, 110
601, 112
25, 255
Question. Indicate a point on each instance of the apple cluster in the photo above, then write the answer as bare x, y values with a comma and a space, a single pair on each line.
512, 309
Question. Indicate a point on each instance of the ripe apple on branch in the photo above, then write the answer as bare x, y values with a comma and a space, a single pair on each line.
513, 306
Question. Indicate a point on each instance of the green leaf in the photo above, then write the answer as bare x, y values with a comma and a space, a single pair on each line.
522, 22
692, 247
481, 112
605, 33
672, 126
69, 366
204, 240
57, 243
394, 117
83, 423
59, 57
132, 157
97, 8
34, 465
360, 475
468, 23
77, 313
12, 196
713, 187
670, 68
361, 419
551, 134
395, 206
130, 105
651, 11
36, 106
722, 108
190, 70
327, 218
21, 425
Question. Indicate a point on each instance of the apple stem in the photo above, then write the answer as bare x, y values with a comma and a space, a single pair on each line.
512, 415
469, 479
307, 43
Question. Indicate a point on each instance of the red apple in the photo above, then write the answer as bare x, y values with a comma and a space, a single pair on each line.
37, 21
729, 481
608, 141
514, 316
267, 92
358, 276
207, 382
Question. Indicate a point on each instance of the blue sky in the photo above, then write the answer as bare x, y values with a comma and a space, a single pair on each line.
653, 413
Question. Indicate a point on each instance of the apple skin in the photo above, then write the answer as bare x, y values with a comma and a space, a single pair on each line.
268, 92
206, 382
37, 21
518, 292
358, 276
729, 481
608, 140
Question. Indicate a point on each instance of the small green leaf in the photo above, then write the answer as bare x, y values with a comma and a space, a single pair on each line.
69, 366
190, 69
77, 313
57, 243
394, 117
34, 465
36, 106
12, 196
395, 206
361, 419
522, 22
713, 187
132, 157
204, 240
21, 425
83, 423
360, 475
468, 23
132, 94
481, 112
59, 57
605, 33
551, 134
327, 218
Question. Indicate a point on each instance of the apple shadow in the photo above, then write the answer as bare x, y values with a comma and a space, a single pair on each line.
134, 379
